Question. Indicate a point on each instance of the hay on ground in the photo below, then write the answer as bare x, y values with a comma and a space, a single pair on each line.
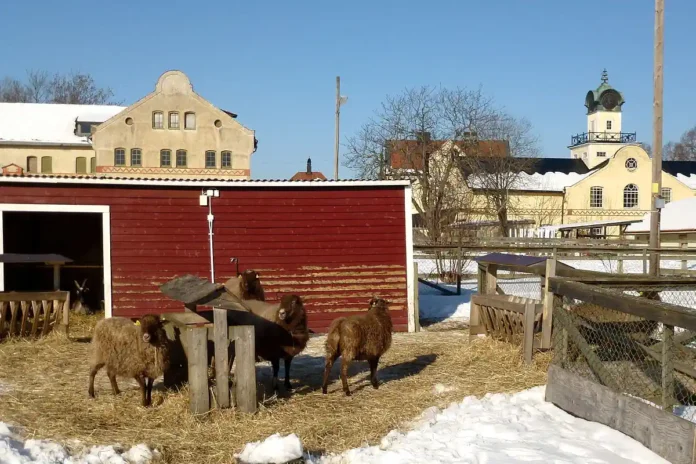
45, 392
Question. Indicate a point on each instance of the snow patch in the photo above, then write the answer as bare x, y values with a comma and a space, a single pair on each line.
32, 451
676, 215
275, 449
439, 389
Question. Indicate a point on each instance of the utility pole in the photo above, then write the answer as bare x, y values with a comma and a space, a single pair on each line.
338, 115
657, 137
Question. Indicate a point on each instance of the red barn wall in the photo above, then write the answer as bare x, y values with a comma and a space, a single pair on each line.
335, 247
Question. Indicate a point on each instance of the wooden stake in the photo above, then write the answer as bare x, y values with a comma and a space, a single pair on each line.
245, 369
222, 366
197, 356
657, 135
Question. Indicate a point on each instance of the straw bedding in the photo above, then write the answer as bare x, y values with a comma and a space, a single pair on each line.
43, 388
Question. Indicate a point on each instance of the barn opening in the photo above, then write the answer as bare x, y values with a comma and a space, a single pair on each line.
77, 236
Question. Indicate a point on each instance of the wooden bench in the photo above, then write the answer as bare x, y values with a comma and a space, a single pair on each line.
33, 314
504, 316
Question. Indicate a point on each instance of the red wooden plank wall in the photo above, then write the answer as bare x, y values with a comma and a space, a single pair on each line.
335, 247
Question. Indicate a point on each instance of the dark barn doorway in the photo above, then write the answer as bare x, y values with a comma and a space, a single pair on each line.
77, 236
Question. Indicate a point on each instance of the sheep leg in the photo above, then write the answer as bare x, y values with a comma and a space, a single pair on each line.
288, 386
344, 374
150, 381
276, 367
330, 359
112, 379
373, 372
141, 381
92, 373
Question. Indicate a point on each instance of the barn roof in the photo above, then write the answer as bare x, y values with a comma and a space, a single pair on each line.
241, 183
49, 123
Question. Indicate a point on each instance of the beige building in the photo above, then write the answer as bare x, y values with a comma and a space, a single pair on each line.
170, 133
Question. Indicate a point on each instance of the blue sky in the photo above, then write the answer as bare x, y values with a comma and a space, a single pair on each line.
275, 62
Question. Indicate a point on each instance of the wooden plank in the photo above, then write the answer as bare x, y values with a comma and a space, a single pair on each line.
29, 296
592, 359
500, 301
245, 370
642, 307
548, 300
189, 288
665, 434
197, 358
14, 310
47, 307
528, 344
3, 309
187, 319
37, 307
25, 314
491, 281
668, 352
222, 366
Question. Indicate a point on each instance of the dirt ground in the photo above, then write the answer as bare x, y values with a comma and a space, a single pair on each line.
43, 389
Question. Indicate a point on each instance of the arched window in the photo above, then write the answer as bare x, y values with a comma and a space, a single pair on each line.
120, 157
81, 165
157, 120
210, 161
189, 120
32, 164
596, 197
165, 158
630, 196
226, 160
181, 158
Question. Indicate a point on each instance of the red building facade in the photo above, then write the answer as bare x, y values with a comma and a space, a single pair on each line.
336, 244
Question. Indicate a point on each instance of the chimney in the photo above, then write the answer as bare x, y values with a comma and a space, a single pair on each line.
309, 166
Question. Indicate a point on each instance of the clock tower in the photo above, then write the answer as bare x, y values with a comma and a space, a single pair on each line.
603, 136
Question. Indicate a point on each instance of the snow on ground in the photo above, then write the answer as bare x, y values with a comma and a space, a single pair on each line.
15, 451
273, 450
495, 429
433, 305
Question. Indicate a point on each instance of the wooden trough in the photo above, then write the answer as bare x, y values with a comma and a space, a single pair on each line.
33, 314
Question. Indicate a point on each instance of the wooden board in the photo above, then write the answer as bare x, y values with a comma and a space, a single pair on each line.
664, 433
189, 289
187, 319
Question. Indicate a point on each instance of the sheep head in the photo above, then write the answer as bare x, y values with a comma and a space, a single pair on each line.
249, 281
152, 329
291, 307
379, 304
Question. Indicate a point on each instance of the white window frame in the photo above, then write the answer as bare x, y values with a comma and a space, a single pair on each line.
106, 237
637, 191
601, 196
186, 127
169, 120
668, 192
158, 124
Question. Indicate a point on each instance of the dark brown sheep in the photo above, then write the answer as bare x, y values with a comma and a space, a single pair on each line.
280, 331
246, 286
364, 337
140, 351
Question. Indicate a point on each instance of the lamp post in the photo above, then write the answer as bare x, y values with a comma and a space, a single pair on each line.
339, 101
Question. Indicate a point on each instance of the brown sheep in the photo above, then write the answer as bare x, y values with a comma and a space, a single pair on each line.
280, 331
246, 286
364, 337
130, 350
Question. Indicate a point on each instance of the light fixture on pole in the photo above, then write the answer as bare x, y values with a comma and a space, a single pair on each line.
339, 101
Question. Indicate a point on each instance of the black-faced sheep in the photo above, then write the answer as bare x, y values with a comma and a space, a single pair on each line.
364, 337
129, 350
80, 305
280, 331
246, 286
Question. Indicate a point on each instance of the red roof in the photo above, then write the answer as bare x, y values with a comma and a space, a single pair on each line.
303, 175
408, 154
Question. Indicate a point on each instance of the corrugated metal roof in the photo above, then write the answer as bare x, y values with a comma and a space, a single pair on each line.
113, 180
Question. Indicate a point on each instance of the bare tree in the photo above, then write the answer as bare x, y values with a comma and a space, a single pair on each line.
75, 88
684, 150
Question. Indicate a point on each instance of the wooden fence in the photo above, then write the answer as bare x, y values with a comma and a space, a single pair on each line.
33, 314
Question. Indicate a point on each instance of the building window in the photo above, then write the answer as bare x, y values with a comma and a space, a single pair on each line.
46, 164
157, 120
226, 160
631, 164
85, 128
174, 120
119, 157
166, 158
81, 165
630, 196
608, 125
189, 120
602, 154
181, 158
136, 157
596, 197
666, 194
93, 164
32, 164
210, 161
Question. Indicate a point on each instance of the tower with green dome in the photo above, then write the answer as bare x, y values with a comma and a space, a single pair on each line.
604, 134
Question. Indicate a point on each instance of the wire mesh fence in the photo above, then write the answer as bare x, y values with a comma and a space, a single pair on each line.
630, 354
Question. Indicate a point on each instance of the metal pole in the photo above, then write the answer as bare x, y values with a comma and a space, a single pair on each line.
657, 136
338, 112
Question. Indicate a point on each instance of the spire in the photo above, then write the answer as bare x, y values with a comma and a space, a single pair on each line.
605, 76
309, 165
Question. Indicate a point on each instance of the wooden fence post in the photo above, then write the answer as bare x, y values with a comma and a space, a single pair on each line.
547, 316
619, 264
684, 244
416, 306
528, 344
245, 369
222, 366
197, 355
668, 367
645, 261
491, 279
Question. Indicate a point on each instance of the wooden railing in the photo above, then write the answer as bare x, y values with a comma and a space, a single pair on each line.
33, 314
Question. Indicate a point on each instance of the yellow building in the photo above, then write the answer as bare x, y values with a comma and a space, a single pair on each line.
170, 133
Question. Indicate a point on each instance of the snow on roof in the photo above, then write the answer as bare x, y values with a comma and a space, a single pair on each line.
675, 216
547, 182
49, 123
690, 181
